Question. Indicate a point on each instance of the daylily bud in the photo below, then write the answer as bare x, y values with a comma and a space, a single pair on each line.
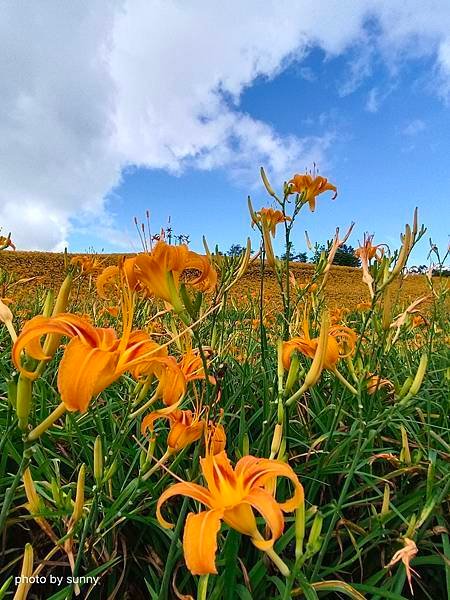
26, 572
418, 379
53, 340
79, 498
98, 460
386, 497
276, 440
314, 543
251, 211
405, 454
317, 364
292, 373
267, 184
48, 304
218, 439
23, 405
405, 387
62, 299
34, 503
111, 470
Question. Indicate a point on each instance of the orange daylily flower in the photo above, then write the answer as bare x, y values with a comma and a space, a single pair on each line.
185, 427
159, 271
89, 265
174, 376
311, 186
338, 335
93, 359
270, 218
231, 495
111, 276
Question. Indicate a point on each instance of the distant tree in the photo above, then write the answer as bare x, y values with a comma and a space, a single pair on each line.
235, 250
295, 256
345, 257
418, 269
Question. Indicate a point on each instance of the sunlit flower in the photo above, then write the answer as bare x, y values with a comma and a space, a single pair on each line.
92, 360
341, 342
337, 314
270, 218
418, 321
311, 186
174, 376
231, 495
159, 271
112, 277
88, 265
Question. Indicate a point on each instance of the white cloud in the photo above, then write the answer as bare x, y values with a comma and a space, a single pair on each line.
414, 127
90, 88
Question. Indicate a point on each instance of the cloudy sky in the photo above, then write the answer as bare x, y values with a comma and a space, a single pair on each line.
109, 108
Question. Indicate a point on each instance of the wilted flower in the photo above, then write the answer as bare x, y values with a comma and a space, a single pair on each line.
406, 554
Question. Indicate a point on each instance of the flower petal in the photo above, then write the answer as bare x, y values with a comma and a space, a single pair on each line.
200, 541
84, 372
269, 508
191, 490
257, 472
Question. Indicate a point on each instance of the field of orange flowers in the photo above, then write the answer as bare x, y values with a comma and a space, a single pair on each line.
185, 425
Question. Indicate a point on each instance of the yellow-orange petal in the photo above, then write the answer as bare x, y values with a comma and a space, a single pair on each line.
84, 372
270, 510
191, 490
200, 541
255, 474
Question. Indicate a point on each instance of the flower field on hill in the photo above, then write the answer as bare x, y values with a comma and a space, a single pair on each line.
185, 425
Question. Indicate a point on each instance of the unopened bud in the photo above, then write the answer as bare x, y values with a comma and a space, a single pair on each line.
386, 498
98, 460
276, 440
267, 184
79, 497
23, 404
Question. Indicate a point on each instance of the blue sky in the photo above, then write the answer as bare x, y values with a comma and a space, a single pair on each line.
385, 160
180, 125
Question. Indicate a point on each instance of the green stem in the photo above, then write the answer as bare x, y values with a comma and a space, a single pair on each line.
202, 587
